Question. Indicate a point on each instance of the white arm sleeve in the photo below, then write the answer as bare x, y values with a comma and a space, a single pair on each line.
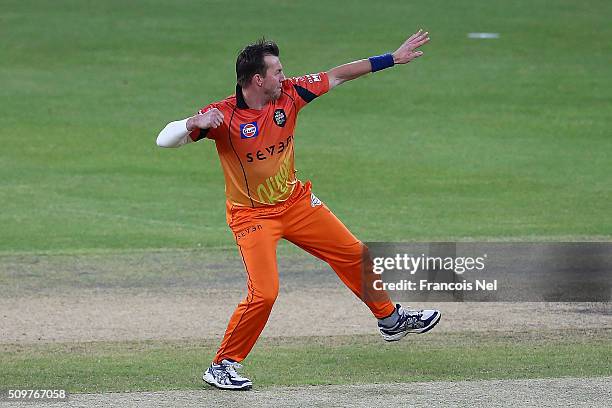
175, 134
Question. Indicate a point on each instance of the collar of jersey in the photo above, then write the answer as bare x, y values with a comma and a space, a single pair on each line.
240, 102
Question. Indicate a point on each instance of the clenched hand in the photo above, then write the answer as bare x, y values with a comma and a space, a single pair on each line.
210, 119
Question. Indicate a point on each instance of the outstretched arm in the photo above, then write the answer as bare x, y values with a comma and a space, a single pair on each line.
403, 55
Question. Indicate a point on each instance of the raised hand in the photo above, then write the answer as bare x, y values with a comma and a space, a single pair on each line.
406, 52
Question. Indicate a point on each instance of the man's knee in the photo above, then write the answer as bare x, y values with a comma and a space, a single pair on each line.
358, 252
267, 296
365, 251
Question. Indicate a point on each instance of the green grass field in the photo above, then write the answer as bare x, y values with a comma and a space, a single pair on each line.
154, 366
505, 139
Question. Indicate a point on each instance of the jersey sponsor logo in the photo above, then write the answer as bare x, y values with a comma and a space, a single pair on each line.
311, 78
314, 201
249, 130
276, 188
280, 118
269, 151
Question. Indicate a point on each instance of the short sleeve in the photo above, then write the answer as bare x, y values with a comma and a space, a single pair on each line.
199, 134
308, 87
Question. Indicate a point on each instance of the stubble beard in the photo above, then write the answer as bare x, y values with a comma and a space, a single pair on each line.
275, 95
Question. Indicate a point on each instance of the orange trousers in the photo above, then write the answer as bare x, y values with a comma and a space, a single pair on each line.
309, 224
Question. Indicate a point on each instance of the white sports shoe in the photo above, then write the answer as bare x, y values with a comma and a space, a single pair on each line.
410, 321
224, 376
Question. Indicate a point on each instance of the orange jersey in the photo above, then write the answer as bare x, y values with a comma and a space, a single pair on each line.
256, 146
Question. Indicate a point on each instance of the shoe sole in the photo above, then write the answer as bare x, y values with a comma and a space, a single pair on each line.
425, 329
227, 387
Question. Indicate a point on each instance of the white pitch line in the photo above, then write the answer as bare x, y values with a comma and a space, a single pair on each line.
481, 36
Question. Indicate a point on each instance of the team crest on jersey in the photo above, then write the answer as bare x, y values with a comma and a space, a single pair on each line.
280, 118
249, 130
314, 201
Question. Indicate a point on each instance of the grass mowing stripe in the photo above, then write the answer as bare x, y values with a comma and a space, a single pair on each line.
155, 365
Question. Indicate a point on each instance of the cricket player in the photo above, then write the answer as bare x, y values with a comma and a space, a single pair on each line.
253, 131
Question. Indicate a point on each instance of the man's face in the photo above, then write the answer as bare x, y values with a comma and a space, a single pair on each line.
272, 82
